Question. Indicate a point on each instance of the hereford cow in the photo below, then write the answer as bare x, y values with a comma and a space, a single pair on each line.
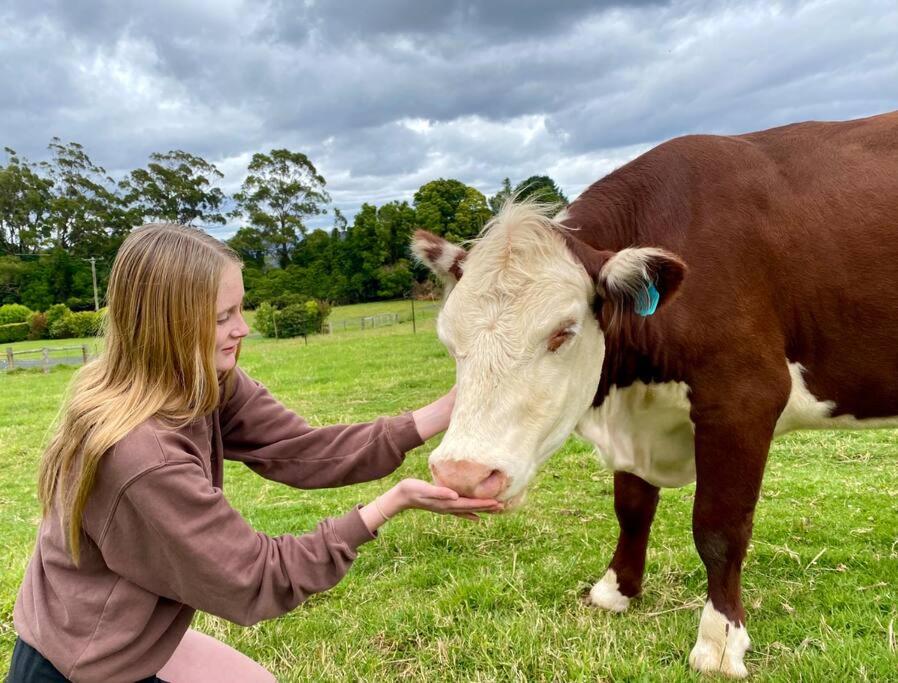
684, 310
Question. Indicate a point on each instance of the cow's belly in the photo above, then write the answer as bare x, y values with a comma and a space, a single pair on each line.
806, 411
645, 429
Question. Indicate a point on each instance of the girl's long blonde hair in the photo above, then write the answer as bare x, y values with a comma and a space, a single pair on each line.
158, 360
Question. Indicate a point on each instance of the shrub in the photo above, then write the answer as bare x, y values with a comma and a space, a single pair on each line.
37, 326
13, 332
56, 312
85, 324
76, 304
302, 319
281, 301
320, 311
61, 328
294, 321
264, 321
81, 324
14, 313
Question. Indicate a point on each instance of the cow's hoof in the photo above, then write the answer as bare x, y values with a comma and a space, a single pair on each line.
605, 594
721, 645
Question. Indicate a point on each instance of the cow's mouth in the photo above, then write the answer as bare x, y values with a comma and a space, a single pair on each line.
515, 501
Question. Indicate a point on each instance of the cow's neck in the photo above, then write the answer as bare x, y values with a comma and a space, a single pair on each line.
634, 352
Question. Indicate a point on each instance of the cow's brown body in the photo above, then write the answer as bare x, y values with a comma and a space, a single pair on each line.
790, 237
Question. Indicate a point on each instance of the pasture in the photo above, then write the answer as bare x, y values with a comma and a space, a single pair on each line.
441, 599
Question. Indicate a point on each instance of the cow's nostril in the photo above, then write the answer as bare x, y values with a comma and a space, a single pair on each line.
492, 486
469, 478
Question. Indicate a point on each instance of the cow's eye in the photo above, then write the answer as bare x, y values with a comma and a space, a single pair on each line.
559, 337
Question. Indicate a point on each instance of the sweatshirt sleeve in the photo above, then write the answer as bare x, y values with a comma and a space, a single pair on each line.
277, 443
174, 534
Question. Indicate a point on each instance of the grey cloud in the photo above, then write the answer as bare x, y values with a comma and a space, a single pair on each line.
476, 21
338, 80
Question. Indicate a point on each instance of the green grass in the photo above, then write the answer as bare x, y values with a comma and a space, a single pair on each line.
404, 307
440, 599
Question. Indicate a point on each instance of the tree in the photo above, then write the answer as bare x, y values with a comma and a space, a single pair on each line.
24, 204
364, 254
497, 201
176, 186
281, 189
249, 243
396, 222
541, 188
340, 222
451, 209
84, 210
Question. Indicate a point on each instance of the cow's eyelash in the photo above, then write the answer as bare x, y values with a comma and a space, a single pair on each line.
561, 335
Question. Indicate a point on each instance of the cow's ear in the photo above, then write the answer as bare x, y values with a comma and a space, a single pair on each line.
640, 279
441, 256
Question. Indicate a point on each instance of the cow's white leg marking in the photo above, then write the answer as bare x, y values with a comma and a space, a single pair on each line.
721, 645
606, 594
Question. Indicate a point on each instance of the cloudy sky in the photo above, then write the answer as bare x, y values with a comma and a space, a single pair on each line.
386, 95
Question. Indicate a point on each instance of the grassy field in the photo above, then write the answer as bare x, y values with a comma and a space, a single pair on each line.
441, 599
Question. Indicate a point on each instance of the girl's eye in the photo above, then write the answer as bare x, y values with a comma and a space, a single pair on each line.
221, 321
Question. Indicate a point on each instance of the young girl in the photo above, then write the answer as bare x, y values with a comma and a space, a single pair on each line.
136, 533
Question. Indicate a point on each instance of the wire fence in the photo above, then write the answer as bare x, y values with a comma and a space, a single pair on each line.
369, 322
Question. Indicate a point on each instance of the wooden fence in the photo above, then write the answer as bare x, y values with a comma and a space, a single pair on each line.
26, 359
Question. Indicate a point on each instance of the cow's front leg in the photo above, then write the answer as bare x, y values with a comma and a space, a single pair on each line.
635, 501
730, 462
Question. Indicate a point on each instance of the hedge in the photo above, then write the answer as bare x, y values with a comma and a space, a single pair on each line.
13, 313
81, 324
14, 332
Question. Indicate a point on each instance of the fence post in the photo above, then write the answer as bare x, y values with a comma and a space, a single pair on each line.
10, 359
46, 359
84, 353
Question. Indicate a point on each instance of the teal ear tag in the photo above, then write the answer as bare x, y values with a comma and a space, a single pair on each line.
648, 300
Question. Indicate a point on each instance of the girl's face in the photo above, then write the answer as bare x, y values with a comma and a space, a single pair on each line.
230, 327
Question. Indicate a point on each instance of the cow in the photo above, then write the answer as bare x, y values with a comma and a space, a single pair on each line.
687, 308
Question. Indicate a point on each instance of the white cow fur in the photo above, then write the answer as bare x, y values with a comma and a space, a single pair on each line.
720, 646
645, 429
606, 594
518, 401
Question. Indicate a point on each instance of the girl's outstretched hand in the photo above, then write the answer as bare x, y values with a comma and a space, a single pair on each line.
411, 494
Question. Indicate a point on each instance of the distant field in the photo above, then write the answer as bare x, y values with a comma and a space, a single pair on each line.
424, 311
440, 599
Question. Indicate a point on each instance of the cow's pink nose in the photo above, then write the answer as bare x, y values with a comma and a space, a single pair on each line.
470, 479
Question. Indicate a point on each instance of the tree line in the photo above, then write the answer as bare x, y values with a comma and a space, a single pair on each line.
61, 216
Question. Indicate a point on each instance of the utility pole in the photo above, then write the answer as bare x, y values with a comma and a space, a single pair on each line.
93, 272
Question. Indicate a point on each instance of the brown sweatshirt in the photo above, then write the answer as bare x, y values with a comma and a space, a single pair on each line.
161, 541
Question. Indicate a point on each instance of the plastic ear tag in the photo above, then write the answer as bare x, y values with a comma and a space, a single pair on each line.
647, 303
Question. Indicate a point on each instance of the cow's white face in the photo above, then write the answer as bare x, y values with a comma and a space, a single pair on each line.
527, 346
